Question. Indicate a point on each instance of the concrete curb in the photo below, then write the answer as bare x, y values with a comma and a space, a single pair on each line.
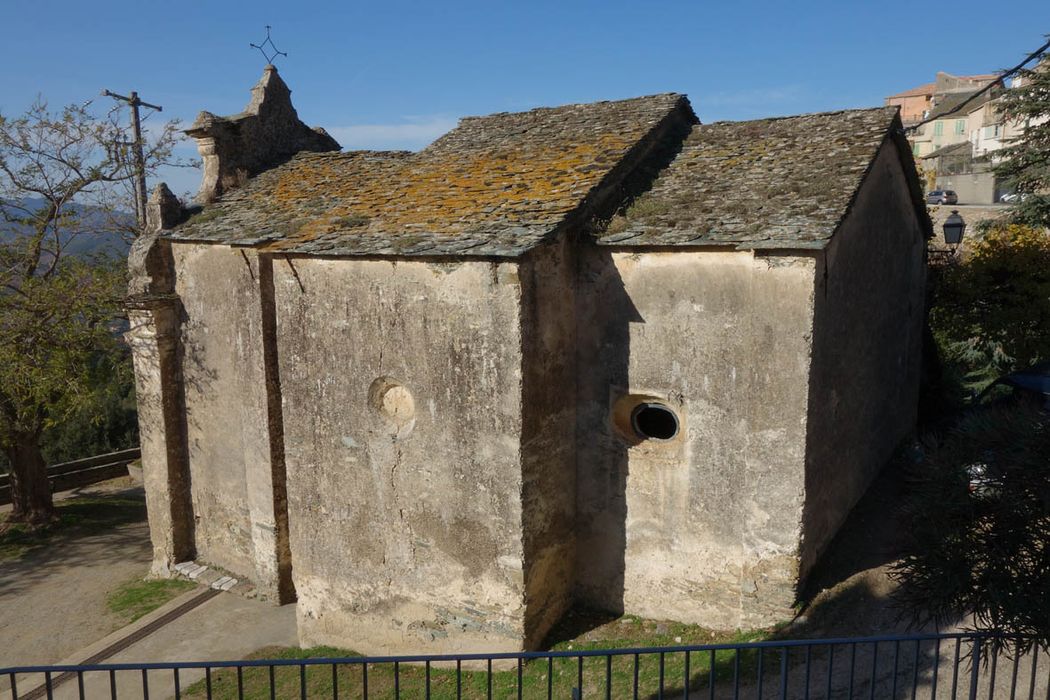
125, 637
134, 629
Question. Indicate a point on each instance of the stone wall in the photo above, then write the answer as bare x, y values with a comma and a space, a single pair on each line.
231, 481
867, 353
702, 528
154, 319
153, 338
548, 318
402, 426
972, 188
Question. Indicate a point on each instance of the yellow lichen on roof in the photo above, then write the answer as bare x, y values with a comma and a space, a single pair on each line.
515, 172
528, 185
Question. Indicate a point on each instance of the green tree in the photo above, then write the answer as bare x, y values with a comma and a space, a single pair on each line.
979, 506
978, 529
63, 178
1025, 163
991, 313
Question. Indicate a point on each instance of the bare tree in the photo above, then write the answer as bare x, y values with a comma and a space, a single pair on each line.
64, 177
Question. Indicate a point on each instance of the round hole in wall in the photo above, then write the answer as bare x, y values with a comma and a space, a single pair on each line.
654, 421
392, 400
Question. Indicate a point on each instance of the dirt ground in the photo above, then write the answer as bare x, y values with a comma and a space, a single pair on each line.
53, 598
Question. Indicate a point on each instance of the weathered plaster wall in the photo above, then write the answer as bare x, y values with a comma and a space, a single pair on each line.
703, 528
153, 339
867, 352
154, 315
402, 418
548, 318
226, 410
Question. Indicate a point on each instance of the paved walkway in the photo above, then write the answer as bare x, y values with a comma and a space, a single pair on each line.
224, 627
53, 611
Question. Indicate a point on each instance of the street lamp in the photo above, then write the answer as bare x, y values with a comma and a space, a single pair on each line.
953, 229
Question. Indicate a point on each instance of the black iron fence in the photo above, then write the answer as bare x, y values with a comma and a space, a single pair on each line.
917, 666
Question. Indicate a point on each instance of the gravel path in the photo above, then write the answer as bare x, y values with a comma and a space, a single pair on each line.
53, 599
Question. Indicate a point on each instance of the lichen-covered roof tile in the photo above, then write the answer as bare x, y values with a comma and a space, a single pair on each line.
770, 183
495, 185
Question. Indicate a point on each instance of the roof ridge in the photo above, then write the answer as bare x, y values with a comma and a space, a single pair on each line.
496, 187
852, 110
568, 105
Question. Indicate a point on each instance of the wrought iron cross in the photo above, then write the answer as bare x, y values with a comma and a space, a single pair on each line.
262, 48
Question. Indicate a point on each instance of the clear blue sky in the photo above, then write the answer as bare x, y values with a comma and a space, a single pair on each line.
396, 74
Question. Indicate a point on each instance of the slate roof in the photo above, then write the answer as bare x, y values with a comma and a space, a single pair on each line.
770, 183
963, 147
952, 100
494, 186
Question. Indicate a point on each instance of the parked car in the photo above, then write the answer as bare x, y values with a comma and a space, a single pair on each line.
1031, 384
1013, 197
942, 197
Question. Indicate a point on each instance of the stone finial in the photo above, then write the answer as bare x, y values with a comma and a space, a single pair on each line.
163, 210
265, 134
151, 267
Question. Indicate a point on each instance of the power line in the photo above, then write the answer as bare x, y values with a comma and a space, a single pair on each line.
1035, 54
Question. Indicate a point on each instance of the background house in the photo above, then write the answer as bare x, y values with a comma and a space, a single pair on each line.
914, 103
957, 146
917, 103
945, 125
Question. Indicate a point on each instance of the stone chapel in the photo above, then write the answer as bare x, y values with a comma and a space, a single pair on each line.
598, 354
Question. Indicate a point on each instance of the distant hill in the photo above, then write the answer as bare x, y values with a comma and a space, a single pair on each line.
92, 237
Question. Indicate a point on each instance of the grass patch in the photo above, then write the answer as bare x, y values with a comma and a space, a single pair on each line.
206, 215
562, 675
646, 206
85, 515
618, 224
138, 597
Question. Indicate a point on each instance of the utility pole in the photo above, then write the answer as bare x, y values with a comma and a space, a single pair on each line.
140, 160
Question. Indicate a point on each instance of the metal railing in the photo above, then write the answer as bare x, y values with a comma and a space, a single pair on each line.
915, 666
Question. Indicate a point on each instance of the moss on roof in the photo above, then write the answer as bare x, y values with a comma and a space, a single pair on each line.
495, 185
770, 183
498, 185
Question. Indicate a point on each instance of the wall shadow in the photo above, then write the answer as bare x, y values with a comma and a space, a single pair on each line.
870, 537
96, 527
604, 312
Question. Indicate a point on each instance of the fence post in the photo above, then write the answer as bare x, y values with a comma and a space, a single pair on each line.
975, 667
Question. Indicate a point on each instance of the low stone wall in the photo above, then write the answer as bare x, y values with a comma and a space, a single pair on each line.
81, 472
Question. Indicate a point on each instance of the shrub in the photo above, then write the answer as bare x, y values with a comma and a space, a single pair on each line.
991, 313
978, 524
